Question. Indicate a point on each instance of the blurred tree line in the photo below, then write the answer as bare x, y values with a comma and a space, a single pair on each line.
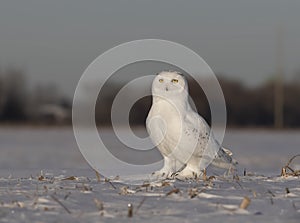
41, 105
246, 107
255, 106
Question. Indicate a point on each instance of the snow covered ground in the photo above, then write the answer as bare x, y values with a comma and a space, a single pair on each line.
44, 178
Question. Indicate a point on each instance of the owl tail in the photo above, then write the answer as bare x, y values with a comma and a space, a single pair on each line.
224, 159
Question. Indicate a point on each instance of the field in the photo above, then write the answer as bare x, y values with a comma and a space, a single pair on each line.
43, 178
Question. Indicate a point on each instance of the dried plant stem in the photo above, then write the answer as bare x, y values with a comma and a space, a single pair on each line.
60, 203
98, 176
245, 203
140, 204
287, 170
130, 211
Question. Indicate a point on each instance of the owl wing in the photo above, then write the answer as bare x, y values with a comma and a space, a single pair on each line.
207, 146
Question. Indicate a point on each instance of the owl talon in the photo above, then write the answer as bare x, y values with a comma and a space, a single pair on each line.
187, 174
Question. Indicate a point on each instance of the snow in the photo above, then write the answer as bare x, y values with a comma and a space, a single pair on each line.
29, 153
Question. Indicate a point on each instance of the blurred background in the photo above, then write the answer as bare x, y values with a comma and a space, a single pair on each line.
252, 46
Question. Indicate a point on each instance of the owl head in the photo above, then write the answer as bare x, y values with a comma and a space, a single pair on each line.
169, 84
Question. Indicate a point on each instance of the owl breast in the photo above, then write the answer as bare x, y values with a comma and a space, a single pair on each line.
164, 125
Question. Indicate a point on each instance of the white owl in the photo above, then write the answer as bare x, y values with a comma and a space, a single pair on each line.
181, 135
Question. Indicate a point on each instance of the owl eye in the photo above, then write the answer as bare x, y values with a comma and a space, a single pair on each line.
161, 80
174, 81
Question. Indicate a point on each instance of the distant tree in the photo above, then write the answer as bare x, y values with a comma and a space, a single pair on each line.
297, 76
248, 106
15, 95
139, 111
2, 93
263, 104
199, 98
291, 104
104, 102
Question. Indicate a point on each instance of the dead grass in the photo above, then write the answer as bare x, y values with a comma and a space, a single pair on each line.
287, 170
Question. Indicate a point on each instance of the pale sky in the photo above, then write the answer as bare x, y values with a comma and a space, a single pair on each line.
54, 41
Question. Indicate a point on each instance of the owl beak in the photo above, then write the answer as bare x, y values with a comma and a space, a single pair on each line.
167, 89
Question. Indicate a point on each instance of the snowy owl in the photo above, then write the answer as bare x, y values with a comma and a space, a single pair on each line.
181, 135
